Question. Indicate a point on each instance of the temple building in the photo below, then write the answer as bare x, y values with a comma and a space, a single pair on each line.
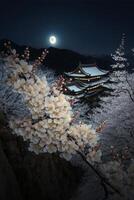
85, 80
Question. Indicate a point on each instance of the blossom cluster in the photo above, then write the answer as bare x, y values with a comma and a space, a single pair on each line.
50, 127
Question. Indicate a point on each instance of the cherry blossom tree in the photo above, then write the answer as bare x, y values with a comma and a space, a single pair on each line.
47, 117
120, 85
120, 79
116, 112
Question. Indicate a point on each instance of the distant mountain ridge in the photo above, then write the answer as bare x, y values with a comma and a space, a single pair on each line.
62, 59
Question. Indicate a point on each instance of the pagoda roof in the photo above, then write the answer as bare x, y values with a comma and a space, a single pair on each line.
97, 82
93, 71
74, 88
92, 93
84, 70
78, 88
82, 93
74, 74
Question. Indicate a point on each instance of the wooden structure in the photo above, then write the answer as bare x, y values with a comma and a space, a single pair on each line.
85, 80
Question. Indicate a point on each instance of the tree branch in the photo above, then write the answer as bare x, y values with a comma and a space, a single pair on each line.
129, 93
104, 182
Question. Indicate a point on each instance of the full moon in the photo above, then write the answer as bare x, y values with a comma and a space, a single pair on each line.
52, 39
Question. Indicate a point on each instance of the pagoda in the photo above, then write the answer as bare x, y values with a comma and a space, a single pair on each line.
85, 80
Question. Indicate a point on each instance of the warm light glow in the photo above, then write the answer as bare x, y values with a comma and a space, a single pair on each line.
52, 40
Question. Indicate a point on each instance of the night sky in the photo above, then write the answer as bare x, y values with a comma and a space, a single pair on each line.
88, 27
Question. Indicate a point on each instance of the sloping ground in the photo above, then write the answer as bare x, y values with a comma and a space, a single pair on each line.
25, 176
